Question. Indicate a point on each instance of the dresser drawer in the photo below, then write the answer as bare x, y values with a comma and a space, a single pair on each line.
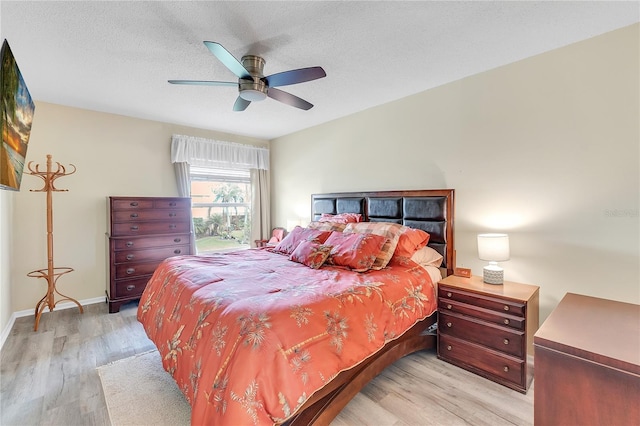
515, 322
480, 359
483, 333
131, 288
130, 204
145, 255
494, 304
182, 204
151, 241
145, 228
143, 215
131, 270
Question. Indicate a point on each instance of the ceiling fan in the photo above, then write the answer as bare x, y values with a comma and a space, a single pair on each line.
252, 83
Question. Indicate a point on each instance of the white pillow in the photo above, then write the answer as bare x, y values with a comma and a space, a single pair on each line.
427, 256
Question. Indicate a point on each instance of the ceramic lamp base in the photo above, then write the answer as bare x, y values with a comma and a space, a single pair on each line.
492, 274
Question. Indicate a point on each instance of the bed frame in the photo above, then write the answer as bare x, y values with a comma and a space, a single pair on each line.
429, 210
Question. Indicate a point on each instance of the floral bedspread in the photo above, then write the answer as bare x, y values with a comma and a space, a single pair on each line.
249, 336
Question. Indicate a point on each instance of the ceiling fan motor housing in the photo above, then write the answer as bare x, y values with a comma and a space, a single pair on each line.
254, 89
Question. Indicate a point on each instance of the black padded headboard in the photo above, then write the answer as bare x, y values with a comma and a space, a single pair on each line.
430, 210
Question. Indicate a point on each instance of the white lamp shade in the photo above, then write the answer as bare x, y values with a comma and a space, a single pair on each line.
493, 247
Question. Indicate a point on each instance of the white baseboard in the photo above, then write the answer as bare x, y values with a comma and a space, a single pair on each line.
30, 312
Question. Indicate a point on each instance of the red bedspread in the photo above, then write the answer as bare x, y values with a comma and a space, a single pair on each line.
249, 336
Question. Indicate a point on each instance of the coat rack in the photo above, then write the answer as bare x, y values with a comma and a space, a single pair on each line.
51, 273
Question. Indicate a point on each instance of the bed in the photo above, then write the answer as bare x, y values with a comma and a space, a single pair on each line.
252, 337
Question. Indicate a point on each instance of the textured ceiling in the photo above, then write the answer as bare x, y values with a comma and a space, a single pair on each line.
116, 57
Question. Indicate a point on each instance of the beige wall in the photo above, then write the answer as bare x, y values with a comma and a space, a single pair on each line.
546, 149
114, 155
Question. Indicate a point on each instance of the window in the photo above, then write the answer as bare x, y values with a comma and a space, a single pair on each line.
221, 208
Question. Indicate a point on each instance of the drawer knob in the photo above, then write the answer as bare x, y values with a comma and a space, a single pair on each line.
505, 341
448, 306
134, 204
172, 226
449, 324
506, 308
134, 215
172, 204
448, 347
134, 228
129, 244
506, 321
130, 257
172, 214
177, 251
177, 240
131, 287
506, 369
130, 271
449, 294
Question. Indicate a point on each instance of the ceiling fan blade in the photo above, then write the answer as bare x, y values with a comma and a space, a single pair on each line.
241, 104
204, 83
288, 99
228, 59
295, 76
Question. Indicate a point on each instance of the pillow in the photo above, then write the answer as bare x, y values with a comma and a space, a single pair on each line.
293, 238
427, 256
391, 231
410, 241
341, 218
355, 251
327, 226
311, 254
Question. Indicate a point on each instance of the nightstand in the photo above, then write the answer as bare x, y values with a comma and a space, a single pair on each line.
488, 329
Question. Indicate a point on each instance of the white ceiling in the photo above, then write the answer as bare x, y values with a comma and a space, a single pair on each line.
116, 57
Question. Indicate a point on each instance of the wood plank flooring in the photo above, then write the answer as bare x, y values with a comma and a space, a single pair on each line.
49, 377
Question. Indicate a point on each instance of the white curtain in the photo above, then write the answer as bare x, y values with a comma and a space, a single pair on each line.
183, 179
189, 151
218, 154
260, 207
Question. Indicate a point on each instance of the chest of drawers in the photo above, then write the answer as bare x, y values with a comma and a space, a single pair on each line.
588, 363
488, 329
142, 232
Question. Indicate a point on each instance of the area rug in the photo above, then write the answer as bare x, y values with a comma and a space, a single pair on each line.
138, 391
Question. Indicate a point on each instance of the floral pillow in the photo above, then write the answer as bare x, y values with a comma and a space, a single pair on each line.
411, 241
390, 231
327, 226
355, 251
293, 238
341, 218
311, 254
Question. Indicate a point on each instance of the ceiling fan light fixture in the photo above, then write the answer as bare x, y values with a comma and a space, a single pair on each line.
253, 90
253, 95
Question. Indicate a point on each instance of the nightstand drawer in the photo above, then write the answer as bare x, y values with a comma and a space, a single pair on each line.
483, 333
494, 304
480, 360
515, 322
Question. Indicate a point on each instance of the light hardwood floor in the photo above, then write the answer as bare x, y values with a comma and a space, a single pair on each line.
49, 377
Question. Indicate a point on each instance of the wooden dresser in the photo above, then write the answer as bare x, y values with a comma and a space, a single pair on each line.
488, 329
588, 363
143, 231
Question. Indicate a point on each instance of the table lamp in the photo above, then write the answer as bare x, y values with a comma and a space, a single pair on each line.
494, 248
